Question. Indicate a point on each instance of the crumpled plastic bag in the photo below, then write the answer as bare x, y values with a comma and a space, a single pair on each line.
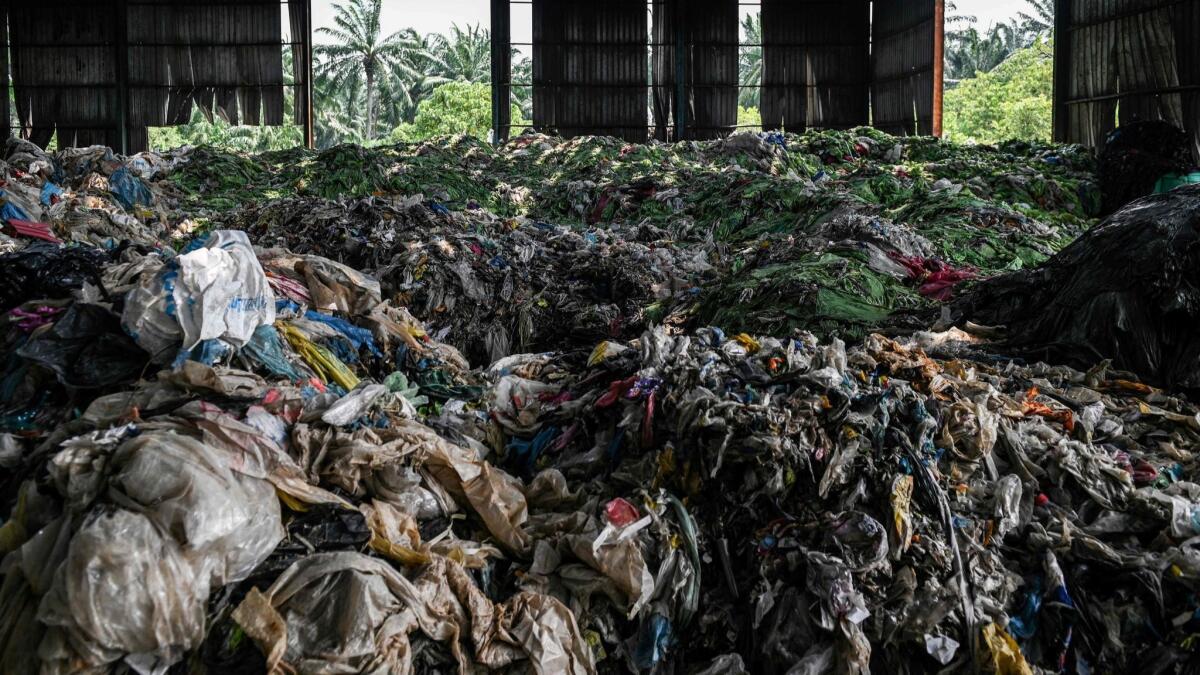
227, 521
125, 589
185, 517
217, 291
347, 612
335, 286
129, 189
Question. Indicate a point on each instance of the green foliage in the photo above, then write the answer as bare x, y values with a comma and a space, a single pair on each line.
750, 61
749, 119
971, 52
362, 56
1013, 101
453, 108
221, 134
463, 55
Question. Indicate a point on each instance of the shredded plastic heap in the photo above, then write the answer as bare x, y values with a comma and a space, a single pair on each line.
582, 407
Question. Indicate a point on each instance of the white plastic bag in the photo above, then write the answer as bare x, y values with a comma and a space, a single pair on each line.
216, 292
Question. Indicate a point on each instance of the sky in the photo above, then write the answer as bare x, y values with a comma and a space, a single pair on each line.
435, 16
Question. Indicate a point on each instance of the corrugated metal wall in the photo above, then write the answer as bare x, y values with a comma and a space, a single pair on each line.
71, 58
902, 66
819, 67
710, 32
591, 67
224, 58
816, 64
1127, 59
64, 70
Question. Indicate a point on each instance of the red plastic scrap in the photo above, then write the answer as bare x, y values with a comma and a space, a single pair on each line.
620, 512
937, 279
615, 390
25, 228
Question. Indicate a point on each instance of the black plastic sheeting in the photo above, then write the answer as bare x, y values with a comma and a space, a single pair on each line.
1127, 290
1136, 155
45, 270
87, 348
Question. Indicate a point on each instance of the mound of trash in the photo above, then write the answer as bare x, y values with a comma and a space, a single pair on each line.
502, 250
570, 407
1128, 290
490, 286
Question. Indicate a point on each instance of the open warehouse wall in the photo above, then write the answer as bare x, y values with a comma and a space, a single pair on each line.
104, 71
1121, 60
669, 69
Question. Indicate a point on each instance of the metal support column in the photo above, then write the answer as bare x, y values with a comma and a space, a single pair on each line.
939, 62
310, 140
5, 112
501, 70
681, 102
121, 60
1060, 111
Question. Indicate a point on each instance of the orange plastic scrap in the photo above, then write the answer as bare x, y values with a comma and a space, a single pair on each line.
1138, 387
1032, 407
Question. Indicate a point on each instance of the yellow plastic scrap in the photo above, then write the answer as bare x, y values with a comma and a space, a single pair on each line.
748, 342
598, 354
1005, 657
1136, 387
596, 644
327, 366
403, 554
901, 499
666, 466
291, 502
386, 529
1192, 421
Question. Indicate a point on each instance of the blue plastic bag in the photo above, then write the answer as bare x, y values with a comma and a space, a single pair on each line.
128, 189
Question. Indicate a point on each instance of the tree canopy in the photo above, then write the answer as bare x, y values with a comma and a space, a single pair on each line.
453, 108
1012, 101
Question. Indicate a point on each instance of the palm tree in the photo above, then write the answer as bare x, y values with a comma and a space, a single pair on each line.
411, 81
361, 56
522, 96
463, 55
750, 60
1040, 21
337, 118
971, 52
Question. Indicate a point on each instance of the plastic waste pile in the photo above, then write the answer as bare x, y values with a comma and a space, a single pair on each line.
87, 195
286, 425
837, 232
490, 286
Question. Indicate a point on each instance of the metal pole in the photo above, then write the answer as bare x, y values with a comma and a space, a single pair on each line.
939, 62
310, 140
4, 107
501, 70
681, 103
121, 60
1060, 111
